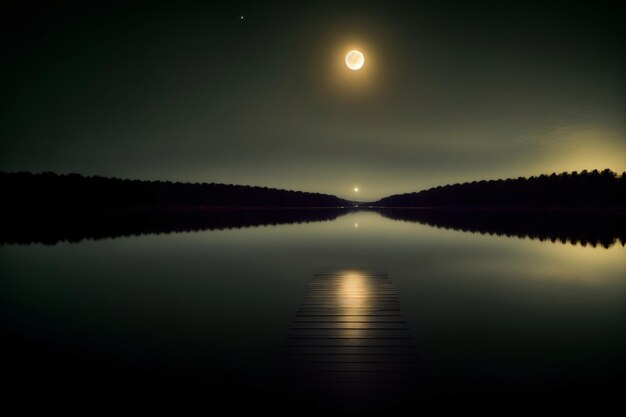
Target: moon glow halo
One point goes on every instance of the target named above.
(355, 60)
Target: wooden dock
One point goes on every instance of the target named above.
(350, 342)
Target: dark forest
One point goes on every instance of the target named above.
(592, 189)
(49, 190)
(584, 190)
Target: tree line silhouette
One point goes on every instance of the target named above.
(604, 189)
(594, 227)
(25, 190)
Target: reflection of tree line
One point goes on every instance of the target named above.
(584, 226)
(585, 189)
(587, 227)
(73, 226)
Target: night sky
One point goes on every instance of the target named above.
(449, 92)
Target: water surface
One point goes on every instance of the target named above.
(492, 316)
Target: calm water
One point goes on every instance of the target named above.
(492, 316)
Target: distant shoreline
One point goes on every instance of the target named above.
(585, 190)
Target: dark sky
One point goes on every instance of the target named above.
(449, 92)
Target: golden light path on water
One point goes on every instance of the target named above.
(353, 292)
(355, 295)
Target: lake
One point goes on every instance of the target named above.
(492, 316)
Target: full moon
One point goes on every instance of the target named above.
(355, 60)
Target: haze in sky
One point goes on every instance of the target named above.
(449, 92)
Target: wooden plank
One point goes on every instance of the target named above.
(349, 350)
(350, 358)
(319, 318)
(347, 396)
(350, 325)
(366, 273)
(384, 333)
(351, 302)
(354, 377)
(330, 316)
(358, 287)
(397, 367)
(352, 309)
(332, 295)
(348, 342)
(349, 313)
